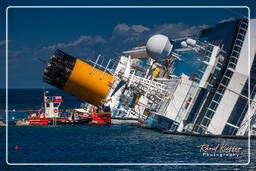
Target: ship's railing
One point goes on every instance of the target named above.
(99, 63)
(146, 83)
(152, 89)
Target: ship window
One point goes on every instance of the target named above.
(225, 81)
(213, 105)
(47, 105)
(241, 42)
(217, 97)
(213, 80)
(196, 129)
(229, 73)
(205, 122)
(221, 89)
(216, 72)
(233, 60)
(209, 113)
(232, 65)
(237, 48)
(240, 37)
(219, 65)
(200, 130)
(238, 42)
(209, 86)
(229, 130)
(55, 104)
(241, 31)
(243, 25)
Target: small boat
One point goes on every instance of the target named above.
(50, 114)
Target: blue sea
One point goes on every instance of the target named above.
(116, 143)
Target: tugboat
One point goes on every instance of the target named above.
(51, 115)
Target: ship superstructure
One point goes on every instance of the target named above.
(214, 100)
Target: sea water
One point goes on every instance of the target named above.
(117, 143)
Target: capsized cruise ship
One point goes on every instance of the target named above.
(196, 84)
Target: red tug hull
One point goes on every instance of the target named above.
(46, 121)
(101, 118)
(95, 118)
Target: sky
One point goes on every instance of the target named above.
(85, 32)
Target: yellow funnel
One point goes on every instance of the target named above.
(78, 78)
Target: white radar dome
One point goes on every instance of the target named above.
(158, 47)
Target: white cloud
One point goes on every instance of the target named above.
(139, 28)
(120, 28)
(124, 28)
(177, 30)
(81, 39)
(227, 19)
(58, 45)
(99, 39)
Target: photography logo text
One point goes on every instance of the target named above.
(219, 150)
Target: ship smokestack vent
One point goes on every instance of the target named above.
(58, 69)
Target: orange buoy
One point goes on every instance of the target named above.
(16, 147)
